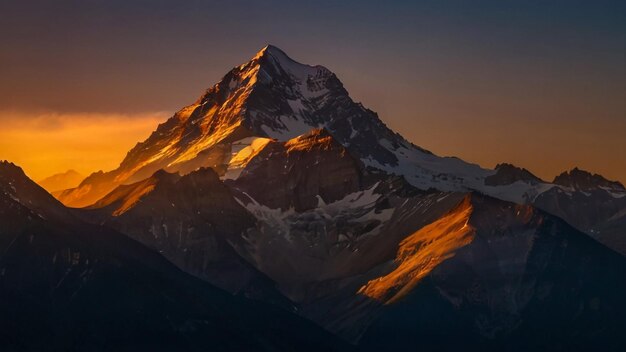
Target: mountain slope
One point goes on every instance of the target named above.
(66, 285)
(520, 280)
(354, 261)
(590, 203)
(191, 221)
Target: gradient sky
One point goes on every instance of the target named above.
(541, 84)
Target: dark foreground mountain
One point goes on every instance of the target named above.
(191, 220)
(69, 286)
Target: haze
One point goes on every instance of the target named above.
(541, 84)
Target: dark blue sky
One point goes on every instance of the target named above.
(538, 83)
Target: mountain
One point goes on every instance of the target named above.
(274, 98)
(585, 181)
(496, 277)
(191, 221)
(276, 185)
(494, 273)
(591, 203)
(61, 181)
(386, 265)
(68, 285)
(507, 174)
(301, 171)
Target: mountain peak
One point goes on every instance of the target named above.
(280, 57)
(584, 180)
(270, 49)
(61, 181)
(507, 174)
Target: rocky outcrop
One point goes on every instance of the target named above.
(507, 174)
(585, 181)
(301, 172)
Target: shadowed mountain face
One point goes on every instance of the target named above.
(191, 221)
(585, 181)
(592, 204)
(507, 174)
(66, 285)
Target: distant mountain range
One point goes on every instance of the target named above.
(61, 181)
(275, 186)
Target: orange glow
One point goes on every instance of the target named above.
(307, 142)
(47, 143)
(124, 197)
(421, 252)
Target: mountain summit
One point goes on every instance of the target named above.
(583, 180)
(274, 97)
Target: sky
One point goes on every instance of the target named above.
(541, 84)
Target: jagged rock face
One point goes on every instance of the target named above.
(590, 203)
(337, 240)
(190, 220)
(585, 181)
(66, 285)
(507, 174)
(299, 172)
(290, 99)
(382, 263)
(594, 211)
(522, 280)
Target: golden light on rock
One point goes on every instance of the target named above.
(421, 252)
